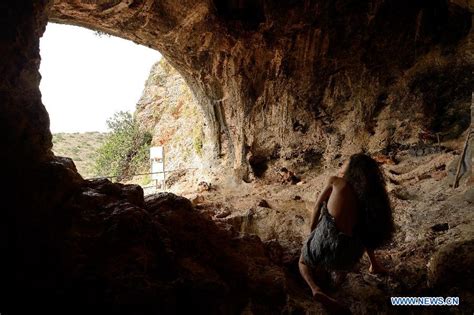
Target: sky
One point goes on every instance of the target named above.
(87, 78)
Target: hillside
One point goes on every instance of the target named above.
(81, 147)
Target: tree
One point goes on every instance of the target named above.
(126, 149)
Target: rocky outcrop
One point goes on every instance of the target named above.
(351, 74)
(33, 184)
(168, 110)
(449, 268)
(24, 121)
(125, 255)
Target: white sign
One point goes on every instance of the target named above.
(157, 158)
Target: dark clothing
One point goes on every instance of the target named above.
(330, 248)
(294, 179)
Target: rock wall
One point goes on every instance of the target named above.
(26, 143)
(169, 111)
(326, 74)
(24, 122)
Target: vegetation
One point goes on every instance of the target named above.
(126, 149)
(197, 139)
(81, 147)
(101, 34)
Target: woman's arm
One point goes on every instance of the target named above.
(323, 196)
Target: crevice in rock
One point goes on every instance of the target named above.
(258, 164)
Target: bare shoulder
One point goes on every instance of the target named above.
(337, 181)
(333, 180)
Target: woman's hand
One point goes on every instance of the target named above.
(323, 196)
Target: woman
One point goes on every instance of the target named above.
(352, 215)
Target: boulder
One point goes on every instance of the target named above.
(451, 266)
(469, 195)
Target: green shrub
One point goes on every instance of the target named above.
(197, 140)
(58, 137)
(126, 148)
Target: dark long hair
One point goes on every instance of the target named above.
(374, 219)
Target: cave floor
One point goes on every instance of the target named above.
(428, 214)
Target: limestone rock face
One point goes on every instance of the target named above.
(168, 110)
(337, 75)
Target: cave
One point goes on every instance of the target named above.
(356, 75)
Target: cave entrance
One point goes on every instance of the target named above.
(88, 77)
(110, 100)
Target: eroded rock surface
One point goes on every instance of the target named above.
(168, 110)
(429, 256)
(161, 257)
(332, 74)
